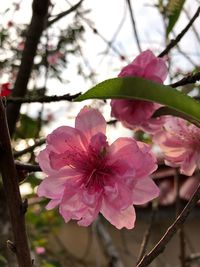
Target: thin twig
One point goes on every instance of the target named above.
(193, 257)
(109, 247)
(63, 14)
(178, 210)
(10, 183)
(196, 33)
(180, 35)
(95, 31)
(48, 99)
(147, 234)
(42, 99)
(27, 167)
(193, 78)
(29, 149)
(134, 26)
(171, 231)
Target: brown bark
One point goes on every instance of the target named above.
(34, 32)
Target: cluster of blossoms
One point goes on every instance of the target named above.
(87, 176)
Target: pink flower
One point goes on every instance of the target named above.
(136, 114)
(21, 46)
(53, 58)
(40, 250)
(5, 90)
(87, 176)
(180, 143)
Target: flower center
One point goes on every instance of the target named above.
(96, 172)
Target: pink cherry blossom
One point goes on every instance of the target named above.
(86, 175)
(53, 58)
(40, 250)
(136, 114)
(180, 143)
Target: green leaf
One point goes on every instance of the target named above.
(168, 111)
(138, 88)
(174, 9)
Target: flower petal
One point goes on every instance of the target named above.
(119, 218)
(136, 154)
(52, 204)
(66, 138)
(73, 207)
(44, 162)
(156, 70)
(54, 186)
(189, 164)
(90, 122)
(144, 191)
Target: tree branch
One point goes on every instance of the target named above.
(148, 232)
(14, 201)
(34, 32)
(29, 149)
(42, 99)
(180, 35)
(160, 246)
(187, 80)
(27, 167)
(63, 14)
(48, 99)
(110, 249)
(134, 26)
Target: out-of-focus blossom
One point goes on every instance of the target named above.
(4, 89)
(189, 187)
(53, 58)
(136, 114)
(21, 46)
(40, 250)
(180, 143)
(86, 175)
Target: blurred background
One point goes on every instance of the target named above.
(84, 43)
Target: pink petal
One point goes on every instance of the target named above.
(156, 70)
(131, 70)
(118, 195)
(66, 138)
(52, 204)
(73, 207)
(189, 164)
(144, 58)
(144, 191)
(97, 143)
(54, 186)
(90, 122)
(136, 154)
(119, 218)
(44, 162)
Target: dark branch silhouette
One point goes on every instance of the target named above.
(175, 41)
(34, 32)
(15, 204)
